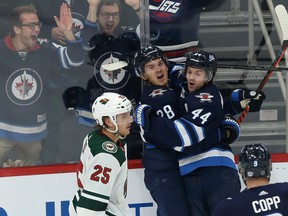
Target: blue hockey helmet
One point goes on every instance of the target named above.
(204, 60)
(145, 55)
(255, 161)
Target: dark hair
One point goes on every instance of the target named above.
(14, 18)
(107, 2)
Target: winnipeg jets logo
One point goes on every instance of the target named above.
(114, 79)
(157, 92)
(24, 87)
(165, 11)
(204, 97)
(167, 6)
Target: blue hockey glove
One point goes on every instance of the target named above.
(241, 98)
(231, 130)
(141, 115)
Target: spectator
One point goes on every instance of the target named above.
(112, 44)
(102, 169)
(79, 9)
(25, 70)
(174, 26)
(260, 197)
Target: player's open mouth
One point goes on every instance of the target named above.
(191, 84)
(160, 76)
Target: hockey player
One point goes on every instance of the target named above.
(162, 176)
(26, 66)
(102, 169)
(211, 158)
(260, 197)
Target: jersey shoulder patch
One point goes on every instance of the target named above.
(99, 143)
(109, 147)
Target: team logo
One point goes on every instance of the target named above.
(78, 23)
(157, 92)
(110, 147)
(24, 87)
(104, 101)
(111, 79)
(205, 97)
(164, 11)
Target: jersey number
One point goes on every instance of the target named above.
(167, 110)
(197, 114)
(101, 174)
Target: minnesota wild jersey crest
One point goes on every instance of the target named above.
(110, 147)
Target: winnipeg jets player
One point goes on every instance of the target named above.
(211, 158)
(259, 198)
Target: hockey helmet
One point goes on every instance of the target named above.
(145, 55)
(204, 60)
(255, 161)
(110, 104)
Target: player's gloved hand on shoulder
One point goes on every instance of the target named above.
(142, 114)
(241, 98)
(230, 130)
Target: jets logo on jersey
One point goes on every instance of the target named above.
(164, 11)
(111, 80)
(157, 92)
(110, 147)
(24, 87)
(204, 97)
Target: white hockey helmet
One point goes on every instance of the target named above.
(110, 104)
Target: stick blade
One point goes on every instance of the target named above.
(282, 15)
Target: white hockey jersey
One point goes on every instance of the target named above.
(101, 178)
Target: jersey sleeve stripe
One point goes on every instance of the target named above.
(184, 129)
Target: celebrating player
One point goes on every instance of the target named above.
(260, 197)
(162, 177)
(102, 169)
(204, 106)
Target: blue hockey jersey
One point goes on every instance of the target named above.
(174, 26)
(196, 134)
(24, 83)
(265, 200)
(165, 102)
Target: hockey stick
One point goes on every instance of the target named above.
(283, 21)
(245, 67)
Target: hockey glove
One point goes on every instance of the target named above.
(141, 115)
(231, 130)
(74, 97)
(241, 98)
